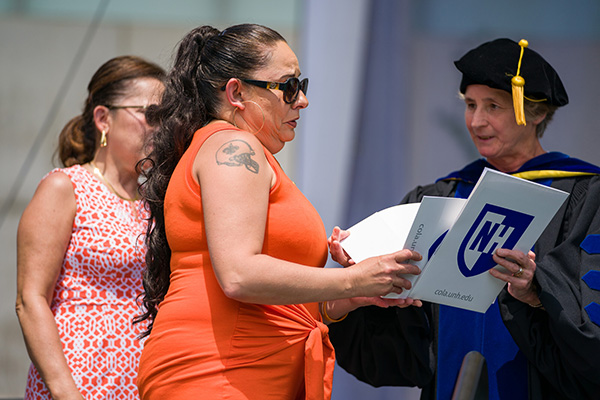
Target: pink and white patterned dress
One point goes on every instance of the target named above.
(95, 296)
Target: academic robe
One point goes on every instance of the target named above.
(556, 348)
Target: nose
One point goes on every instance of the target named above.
(478, 118)
(301, 101)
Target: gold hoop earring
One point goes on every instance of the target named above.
(103, 141)
(261, 111)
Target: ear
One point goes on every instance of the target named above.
(234, 93)
(539, 119)
(101, 118)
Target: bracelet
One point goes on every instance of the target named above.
(535, 289)
(327, 317)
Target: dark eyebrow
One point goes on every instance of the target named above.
(291, 75)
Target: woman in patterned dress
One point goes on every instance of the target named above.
(79, 252)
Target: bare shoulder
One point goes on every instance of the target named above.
(57, 184)
(57, 180)
(55, 192)
(233, 148)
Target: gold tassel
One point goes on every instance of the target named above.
(518, 88)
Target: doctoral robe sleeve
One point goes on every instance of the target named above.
(562, 340)
(386, 347)
(390, 347)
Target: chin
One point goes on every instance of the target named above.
(288, 134)
(486, 151)
(276, 149)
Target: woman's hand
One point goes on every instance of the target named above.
(341, 257)
(335, 248)
(338, 308)
(376, 277)
(384, 302)
(521, 270)
(381, 275)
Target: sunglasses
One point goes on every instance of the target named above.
(125, 107)
(290, 87)
(138, 110)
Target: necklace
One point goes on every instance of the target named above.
(107, 183)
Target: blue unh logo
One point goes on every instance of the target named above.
(495, 227)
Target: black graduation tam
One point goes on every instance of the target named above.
(495, 63)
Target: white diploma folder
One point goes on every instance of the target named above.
(457, 237)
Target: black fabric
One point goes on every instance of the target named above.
(561, 343)
(495, 63)
(382, 359)
(397, 347)
(393, 347)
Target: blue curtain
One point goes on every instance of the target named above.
(378, 163)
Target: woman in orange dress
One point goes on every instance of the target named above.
(234, 274)
(80, 251)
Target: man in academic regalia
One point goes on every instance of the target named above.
(541, 339)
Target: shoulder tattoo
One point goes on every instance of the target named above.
(236, 153)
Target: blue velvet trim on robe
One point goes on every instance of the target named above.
(591, 244)
(461, 331)
(592, 278)
(549, 161)
(593, 311)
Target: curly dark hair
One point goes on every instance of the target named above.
(206, 59)
(79, 139)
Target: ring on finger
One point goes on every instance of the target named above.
(518, 273)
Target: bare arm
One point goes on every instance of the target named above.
(338, 308)
(235, 201)
(42, 239)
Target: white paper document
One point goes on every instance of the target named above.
(457, 237)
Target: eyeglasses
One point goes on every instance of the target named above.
(290, 88)
(123, 107)
(141, 110)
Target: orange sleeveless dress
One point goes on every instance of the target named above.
(205, 345)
